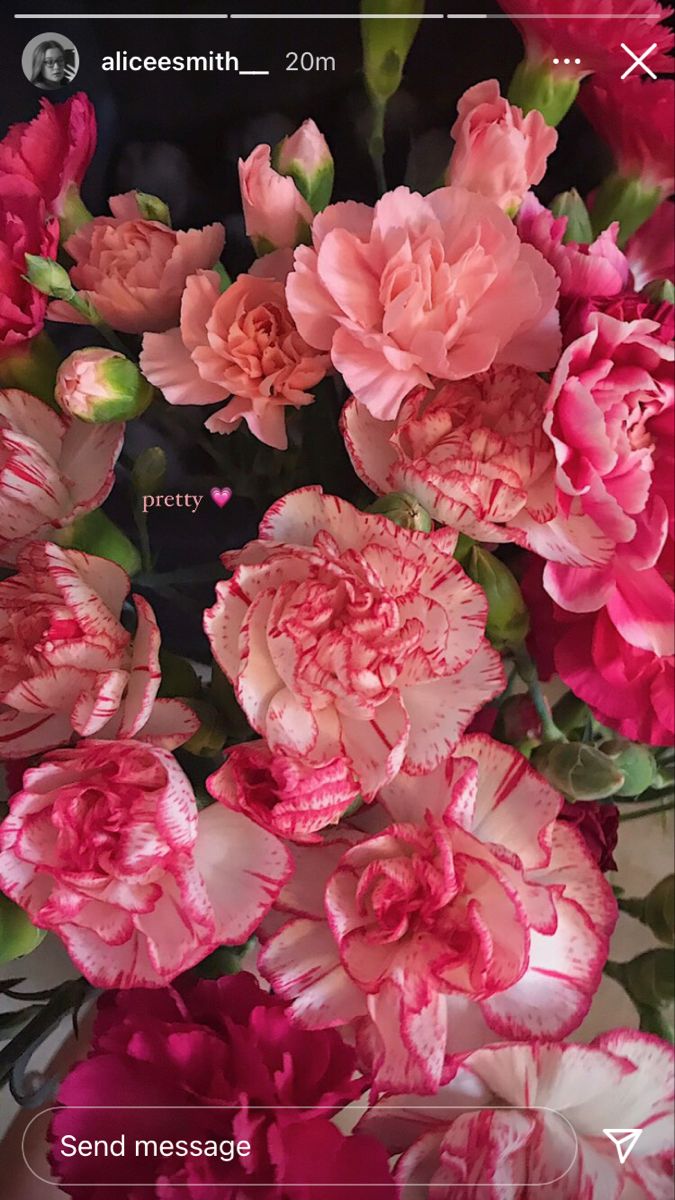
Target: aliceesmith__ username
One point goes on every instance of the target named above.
(215, 60)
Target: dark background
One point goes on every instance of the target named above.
(179, 136)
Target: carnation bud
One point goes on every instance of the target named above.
(534, 85)
(95, 533)
(508, 619)
(151, 208)
(659, 291)
(31, 367)
(636, 763)
(48, 277)
(211, 735)
(306, 158)
(570, 205)
(404, 510)
(101, 385)
(656, 909)
(577, 769)
(387, 42)
(570, 714)
(148, 471)
(18, 935)
(179, 677)
(624, 200)
(518, 721)
(648, 979)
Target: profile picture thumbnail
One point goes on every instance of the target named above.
(50, 61)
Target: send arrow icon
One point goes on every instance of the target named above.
(625, 1141)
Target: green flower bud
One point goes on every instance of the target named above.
(32, 367)
(225, 960)
(570, 205)
(656, 909)
(148, 471)
(535, 86)
(627, 201)
(648, 979)
(95, 533)
(508, 619)
(570, 714)
(306, 158)
(48, 277)
(387, 42)
(152, 208)
(580, 771)
(404, 510)
(101, 385)
(74, 213)
(659, 290)
(635, 761)
(18, 935)
(179, 677)
(211, 735)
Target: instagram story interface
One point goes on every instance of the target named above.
(337, 445)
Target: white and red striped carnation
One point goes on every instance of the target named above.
(348, 637)
(473, 452)
(68, 667)
(104, 846)
(531, 1115)
(53, 469)
(470, 912)
(281, 793)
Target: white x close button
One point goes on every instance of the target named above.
(638, 60)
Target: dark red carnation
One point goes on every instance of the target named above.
(598, 824)
(226, 1055)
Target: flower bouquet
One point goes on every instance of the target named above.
(434, 437)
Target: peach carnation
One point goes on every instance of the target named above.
(241, 343)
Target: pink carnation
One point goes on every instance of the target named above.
(241, 343)
(420, 287)
(529, 1114)
(132, 270)
(68, 665)
(220, 1044)
(498, 152)
(594, 36)
(348, 637)
(619, 657)
(104, 847)
(651, 249)
(597, 269)
(609, 387)
(275, 212)
(53, 150)
(281, 793)
(474, 453)
(475, 912)
(53, 469)
(636, 116)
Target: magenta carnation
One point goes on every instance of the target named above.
(216, 1044)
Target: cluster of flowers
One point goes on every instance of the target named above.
(426, 914)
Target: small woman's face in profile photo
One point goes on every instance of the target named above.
(49, 65)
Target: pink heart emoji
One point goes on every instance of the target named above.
(220, 496)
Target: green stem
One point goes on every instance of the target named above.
(528, 673)
(376, 142)
(141, 523)
(648, 812)
(86, 309)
